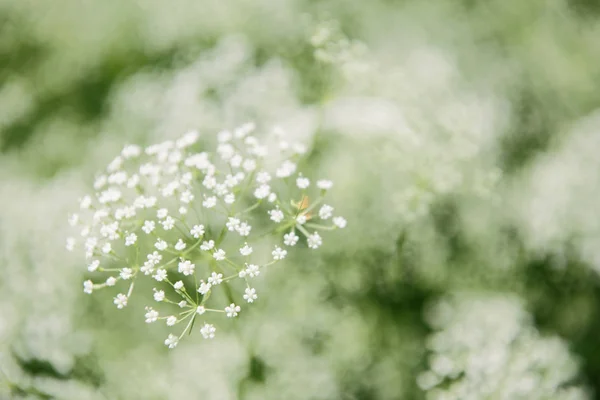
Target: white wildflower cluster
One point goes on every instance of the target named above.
(189, 219)
(486, 347)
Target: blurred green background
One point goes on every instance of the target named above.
(462, 137)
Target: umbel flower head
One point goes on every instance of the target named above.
(188, 219)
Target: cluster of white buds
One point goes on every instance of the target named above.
(189, 219)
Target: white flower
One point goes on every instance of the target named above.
(229, 198)
(215, 279)
(208, 331)
(301, 219)
(168, 223)
(324, 184)
(276, 215)
(252, 270)
(204, 287)
(148, 226)
(286, 169)
(272, 197)
(263, 177)
(111, 281)
(120, 301)
(162, 213)
(151, 315)
(250, 295)
(172, 320)
(131, 151)
(178, 285)
(340, 222)
(207, 245)
(249, 165)
(325, 211)
(232, 310)
(200, 310)
(210, 202)
(186, 267)
(161, 275)
(73, 219)
(219, 254)
(244, 229)
(107, 248)
(186, 197)
(197, 231)
(302, 182)
(93, 265)
(147, 268)
(126, 273)
(154, 258)
(130, 239)
(171, 341)
(182, 304)
(262, 191)
(183, 210)
(232, 224)
(246, 250)
(290, 239)
(159, 295)
(85, 202)
(279, 253)
(209, 182)
(88, 287)
(180, 245)
(161, 245)
(314, 240)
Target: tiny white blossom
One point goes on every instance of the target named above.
(302, 182)
(182, 304)
(286, 169)
(126, 273)
(88, 287)
(159, 295)
(147, 268)
(151, 315)
(162, 213)
(111, 281)
(161, 275)
(85, 202)
(180, 245)
(276, 215)
(73, 219)
(250, 295)
(263, 177)
(186, 267)
(131, 151)
(120, 301)
(219, 254)
(168, 223)
(172, 320)
(262, 191)
(314, 240)
(107, 248)
(324, 184)
(232, 224)
(246, 250)
(207, 245)
(279, 253)
(229, 198)
(290, 239)
(208, 331)
(93, 265)
(171, 341)
(200, 310)
(204, 287)
(244, 229)
(161, 245)
(183, 210)
(272, 197)
(215, 279)
(186, 197)
(301, 219)
(210, 202)
(148, 226)
(249, 165)
(232, 310)
(340, 222)
(197, 231)
(252, 270)
(130, 239)
(325, 212)
(154, 258)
